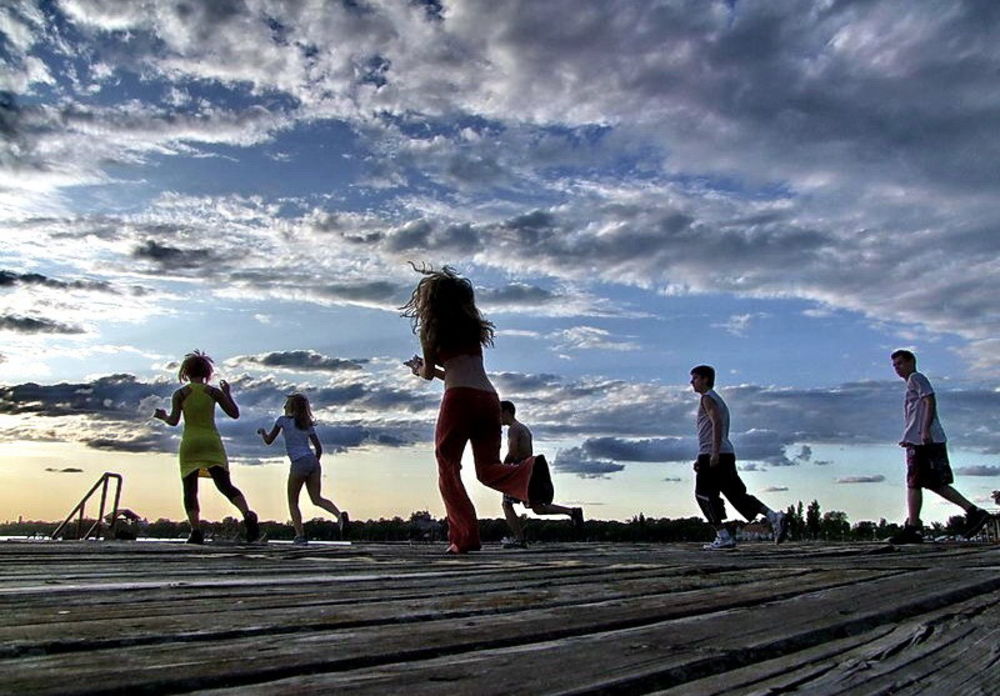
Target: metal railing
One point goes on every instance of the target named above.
(99, 524)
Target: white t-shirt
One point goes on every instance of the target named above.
(296, 441)
(914, 408)
(704, 424)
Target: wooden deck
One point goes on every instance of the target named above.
(164, 618)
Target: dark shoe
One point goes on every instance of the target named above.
(540, 488)
(577, 519)
(253, 529)
(345, 520)
(513, 543)
(974, 522)
(196, 537)
(907, 535)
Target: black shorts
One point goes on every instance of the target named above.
(927, 466)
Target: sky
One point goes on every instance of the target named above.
(786, 190)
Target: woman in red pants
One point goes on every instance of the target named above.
(452, 335)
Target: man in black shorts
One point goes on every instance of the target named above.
(927, 463)
(519, 447)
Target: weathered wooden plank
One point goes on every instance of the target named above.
(940, 652)
(124, 625)
(677, 637)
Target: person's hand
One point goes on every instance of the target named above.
(926, 438)
(160, 413)
(713, 461)
(996, 497)
(224, 386)
(261, 432)
(416, 364)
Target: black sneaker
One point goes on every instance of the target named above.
(577, 518)
(907, 535)
(975, 520)
(345, 520)
(253, 529)
(196, 537)
(540, 488)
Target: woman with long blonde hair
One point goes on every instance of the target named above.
(298, 427)
(452, 334)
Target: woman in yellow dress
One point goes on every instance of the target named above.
(201, 452)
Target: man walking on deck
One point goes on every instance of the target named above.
(927, 463)
(715, 469)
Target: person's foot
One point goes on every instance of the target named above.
(907, 535)
(300, 541)
(975, 520)
(453, 550)
(196, 537)
(513, 543)
(577, 518)
(721, 542)
(253, 529)
(540, 488)
(344, 520)
(779, 525)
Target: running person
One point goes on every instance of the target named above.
(298, 429)
(201, 452)
(519, 448)
(452, 333)
(927, 463)
(716, 467)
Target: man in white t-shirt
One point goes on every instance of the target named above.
(715, 467)
(927, 463)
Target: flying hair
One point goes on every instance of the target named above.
(442, 310)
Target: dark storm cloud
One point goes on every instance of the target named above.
(374, 292)
(32, 325)
(878, 478)
(301, 360)
(172, 258)
(10, 279)
(66, 470)
(516, 294)
(673, 449)
(982, 470)
(103, 396)
(147, 442)
(575, 461)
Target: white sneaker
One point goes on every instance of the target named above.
(721, 542)
(779, 525)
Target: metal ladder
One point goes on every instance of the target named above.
(99, 525)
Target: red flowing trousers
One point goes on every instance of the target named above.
(472, 415)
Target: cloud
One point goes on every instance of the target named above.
(674, 449)
(739, 324)
(66, 470)
(590, 338)
(877, 478)
(299, 360)
(575, 461)
(776, 489)
(673, 479)
(32, 325)
(982, 470)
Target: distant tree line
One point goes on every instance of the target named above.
(805, 523)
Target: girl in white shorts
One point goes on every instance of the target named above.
(298, 428)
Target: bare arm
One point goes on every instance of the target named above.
(225, 399)
(269, 436)
(712, 411)
(426, 366)
(930, 410)
(175, 408)
(313, 438)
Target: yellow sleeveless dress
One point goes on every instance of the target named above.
(201, 445)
